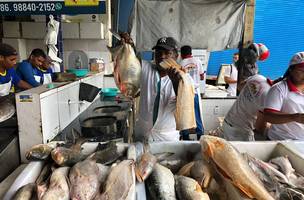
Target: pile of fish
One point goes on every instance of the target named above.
(7, 109)
(278, 177)
(105, 174)
(192, 177)
(166, 178)
(110, 173)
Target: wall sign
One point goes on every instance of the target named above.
(55, 7)
(81, 2)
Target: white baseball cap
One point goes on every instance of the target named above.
(262, 51)
(297, 58)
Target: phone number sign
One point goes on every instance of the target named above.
(10, 7)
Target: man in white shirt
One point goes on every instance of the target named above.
(194, 67)
(284, 105)
(230, 77)
(158, 91)
(245, 117)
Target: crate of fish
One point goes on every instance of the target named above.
(217, 169)
(78, 171)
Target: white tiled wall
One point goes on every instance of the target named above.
(93, 48)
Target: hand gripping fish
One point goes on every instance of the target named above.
(127, 69)
(231, 164)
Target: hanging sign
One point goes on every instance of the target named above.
(55, 7)
(81, 2)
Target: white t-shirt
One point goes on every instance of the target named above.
(285, 98)
(164, 128)
(194, 67)
(243, 112)
(231, 72)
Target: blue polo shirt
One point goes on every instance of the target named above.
(27, 72)
(9, 74)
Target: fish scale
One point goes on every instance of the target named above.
(127, 69)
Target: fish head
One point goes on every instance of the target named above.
(115, 51)
(39, 152)
(41, 189)
(211, 144)
(60, 155)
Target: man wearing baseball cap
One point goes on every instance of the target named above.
(8, 76)
(158, 93)
(284, 105)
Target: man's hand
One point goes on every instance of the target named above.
(125, 38)
(175, 77)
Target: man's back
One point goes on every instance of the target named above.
(251, 99)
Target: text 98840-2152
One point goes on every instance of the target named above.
(30, 7)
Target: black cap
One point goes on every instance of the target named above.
(167, 43)
(186, 50)
(7, 50)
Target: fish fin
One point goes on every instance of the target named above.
(79, 142)
(146, 147)
(208, 152)
(198, 188)
(115, 50)
(105, 145)
(243, 190)
(115, 34)
(163, 156)
(68, 181)
(186, 169)
(139, 176)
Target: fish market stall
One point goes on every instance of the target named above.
(176, 155)
(43, 112)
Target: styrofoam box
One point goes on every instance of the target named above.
(264, 150)
(33, 169)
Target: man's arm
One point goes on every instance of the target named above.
(227, 76)
(261, 123)
(24, 85)
(229, 80)
(277, 117)
(27, 72)
(17, 80)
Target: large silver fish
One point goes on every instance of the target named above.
(120, 183)
(189, 189)
(84, 179)
(7, 109)
(127, 69)
(59, 188)
(160, 184)
(40, 151)
(26, 192)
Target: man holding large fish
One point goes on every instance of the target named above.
(158, 89)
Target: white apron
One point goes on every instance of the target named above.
(46, 78)
(5, 88)
(37, 78)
